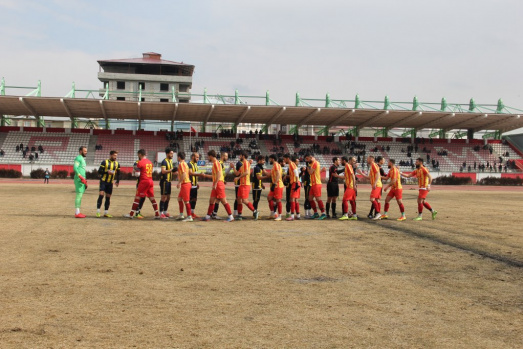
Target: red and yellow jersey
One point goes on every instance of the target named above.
(246, 168)
(276, 167)
(394, 174)
(146, 169)
(183, 168)
(349, 173)
(217, 172)
(423, 176)
(292, 176)
(375, 173)
(315, 176)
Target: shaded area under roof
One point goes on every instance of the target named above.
(260, 114)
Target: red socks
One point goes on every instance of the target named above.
(387, 205)
(376, 206)
(271, 206)
(188, 208)
(420, 208)
(321, 206)
(240, 208)
(280, 209)
(228, 208)
(402, 208)
(250, 206)
(180, 205)
(353, 206)
(345, 207)
(155, 207)
(293, 207)
(210, 209)
(313, 205)
(427, 206)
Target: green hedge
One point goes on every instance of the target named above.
(452, 180)
(5, 173)
(501, 181)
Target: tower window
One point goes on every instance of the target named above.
(164, 87)
(120, 85)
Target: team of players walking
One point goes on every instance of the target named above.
(285, 174)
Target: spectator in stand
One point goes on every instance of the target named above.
(36, 156)
(2, 152)
(21, 146)
(40, 149)
(31, 157)
(500, 167)
(17, 148)
(33, 149)
(470, 170)
(24, 153)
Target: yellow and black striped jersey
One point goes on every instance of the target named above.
(193, 167)
(168, 165)
(109, 166)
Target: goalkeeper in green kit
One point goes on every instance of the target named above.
(80, 183)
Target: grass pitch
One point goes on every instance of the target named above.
(116, 283)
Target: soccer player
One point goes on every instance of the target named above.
(306, 184)
(350, 189)
(184, 184)
(256, 180)
(314, 170)
(145, 186)
(109, 172)
(218, 188)
(243, 178)
(396, 190)
(333, 187)
(294, 185)
(235, 169)
(276, 192)
(223, 158)
(380, 161)
(375, 181)
(80, 182)
(194, 175)
(166, 177)
(424, 181)
(136, 173)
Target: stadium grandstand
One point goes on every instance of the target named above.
(459, 139)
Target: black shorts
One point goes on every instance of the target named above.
(256, 194)
(165, 188)
(333, 189)
(106, 187)
(194, 193)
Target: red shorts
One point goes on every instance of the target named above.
(376, 193)
(185, 192)
(423, 193)
(277, 193)
(295, 193)
(349, 195)
(315, 190)
(395, 193)
(219, 192)
(145, 189)
(243, 191)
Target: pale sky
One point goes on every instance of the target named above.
(431, 49)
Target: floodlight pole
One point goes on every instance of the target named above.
(5, 120)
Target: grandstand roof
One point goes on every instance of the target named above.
(260, 114)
